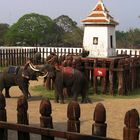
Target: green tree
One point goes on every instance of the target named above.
(3, 29)
(33, 29)
(128, 39)
(72, 34)
(121, 39)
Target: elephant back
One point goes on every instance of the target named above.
(13, 69)
(68, 70)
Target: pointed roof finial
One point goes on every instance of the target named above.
(100, 1)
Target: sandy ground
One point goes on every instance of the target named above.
(115, 108)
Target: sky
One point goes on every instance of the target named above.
(126, 12)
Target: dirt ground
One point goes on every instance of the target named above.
(115, 108)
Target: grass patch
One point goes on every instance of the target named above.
(50, 94)
(43, 91)
(1, 69)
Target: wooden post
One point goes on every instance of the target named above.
(131, 129)
(99, 127)
(0, 58)
(104, 80)
(22, 117)
(73, 114)
(120, 77)
(46, 118)
(95, 86)
(3, 117)
(132, 70)
(127, 76)
(111, 78)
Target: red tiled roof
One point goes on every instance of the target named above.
(98, 8)
(95, 20)
(99, 15)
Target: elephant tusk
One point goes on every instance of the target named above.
(32, 67)
(45, 75)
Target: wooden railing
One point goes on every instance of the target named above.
(46, 130)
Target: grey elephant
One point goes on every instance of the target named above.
(67, 77)
(18, 76)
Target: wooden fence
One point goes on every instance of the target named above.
(122, 75)
(15, 56)
(19, 55)
(129, 52)
(46, 130)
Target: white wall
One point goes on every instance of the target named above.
(103, 33)
(99, 50)
(111, 51)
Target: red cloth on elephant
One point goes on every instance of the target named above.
(68, 70)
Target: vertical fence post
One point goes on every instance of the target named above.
(121, 77)
(133, 73)
(104, 80)
(1, 58)
(111, 78)
(131, 129)
(3, 117)
(22, 117)
(99, 128)
(46, 119)
(73, 114)
(95, 85)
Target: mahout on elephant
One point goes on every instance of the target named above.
(67, 77)
(18, 76)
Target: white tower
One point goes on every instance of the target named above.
(99, 32)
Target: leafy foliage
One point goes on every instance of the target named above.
(3, 29)
(128, 39)
(39, 30)
(33, 29)
(72, 34)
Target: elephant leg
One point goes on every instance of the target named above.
(83, 98)
(75, 96)
(56, 97)
(7, 95)
(84, 93)
(62, 98)
(59, 94)
(25, 90)
(29, 95)
(76, 90)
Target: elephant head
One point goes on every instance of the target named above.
(48, 70)
(30, 72)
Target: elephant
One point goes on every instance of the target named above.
(67, 77)
(37, 58)
(18, 76)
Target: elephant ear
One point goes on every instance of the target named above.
(29, 71)
(24, 72)
(25, 75)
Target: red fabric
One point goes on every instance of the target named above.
(100, 72)
(68, 70)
